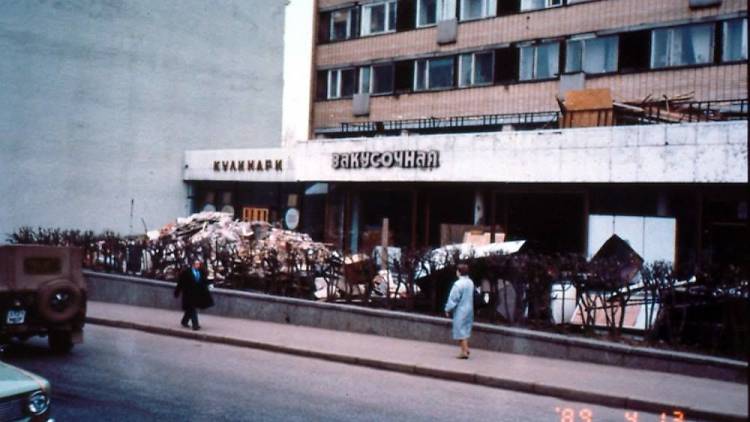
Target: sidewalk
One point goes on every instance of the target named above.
(642, 390)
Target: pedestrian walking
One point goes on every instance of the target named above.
(193, 285)
(461, 305)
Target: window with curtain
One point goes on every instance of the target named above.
(376, 79)
(539, 61)
(341, 83)
(538, 4)
(433, 74)
(734, 41)
(429, 12)
(378, 18)
(477, 9)
(682, 46)
(592, 55)
(475, 69)
(340, 26)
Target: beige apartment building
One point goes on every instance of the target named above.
(448, 116)
(421, 59)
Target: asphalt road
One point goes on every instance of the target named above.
(125, 375)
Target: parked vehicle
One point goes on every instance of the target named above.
(42, 292)
(23, 395)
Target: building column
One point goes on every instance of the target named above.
(479, 208)
(586, 212)
(699, 227)
(493, 216)
(427, 219)
(354, 204)
(414, 198)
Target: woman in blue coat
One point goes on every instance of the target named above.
(461, 304)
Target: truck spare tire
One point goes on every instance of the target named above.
(58, 301)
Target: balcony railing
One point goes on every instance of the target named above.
(647, 112)
(457, 124)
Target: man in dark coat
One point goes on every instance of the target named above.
(193, 284)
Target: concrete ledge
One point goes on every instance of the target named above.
(237, 304)
(488, 381)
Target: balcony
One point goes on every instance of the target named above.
(649, 111)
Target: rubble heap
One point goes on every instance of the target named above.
(230, 245)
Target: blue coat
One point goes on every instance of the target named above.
(461, 303)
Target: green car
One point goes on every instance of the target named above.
(23, 395)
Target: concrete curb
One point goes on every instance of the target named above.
(487, 381)
(135, 291)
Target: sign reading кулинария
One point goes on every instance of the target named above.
(408, 159)
(249, 165)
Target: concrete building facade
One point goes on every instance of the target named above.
(393, 71)
(100, 100)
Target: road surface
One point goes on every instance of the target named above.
(126, 375)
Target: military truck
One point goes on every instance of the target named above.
(42, 293)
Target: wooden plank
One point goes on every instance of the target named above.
(588, 99)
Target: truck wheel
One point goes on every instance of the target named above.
(59, 301)
(60, 341)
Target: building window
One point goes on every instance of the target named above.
(433, 74)
(378, 18)
(475, 69)
(539, 61)
(682, 46)
(429, 12)
(341, 25)
(539, 4)
(477, 9)
(734, 46)
(376, 79)
(340, 83)
(591, 55)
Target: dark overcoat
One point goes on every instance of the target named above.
(195, 293)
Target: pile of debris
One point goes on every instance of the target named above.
(596, 107)
(681, 108)
(229, 245)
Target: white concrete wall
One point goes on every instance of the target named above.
(686, 153)
(199, 165)
(100, 99)
(298, 53)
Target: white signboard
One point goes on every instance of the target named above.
(291, 219)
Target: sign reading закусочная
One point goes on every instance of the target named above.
(408, 159)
